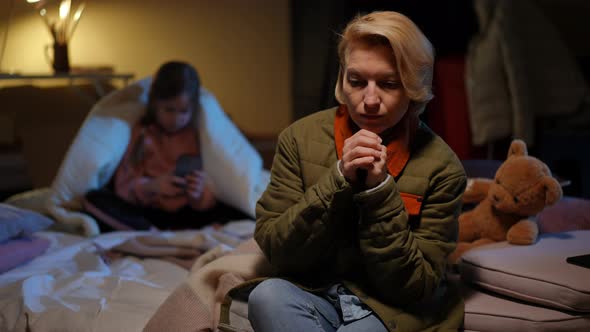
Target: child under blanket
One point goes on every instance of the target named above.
(151, 187)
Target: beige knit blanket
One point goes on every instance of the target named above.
(195, 304)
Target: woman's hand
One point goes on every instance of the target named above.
(167, 185)
(199, 195)
(364, 151)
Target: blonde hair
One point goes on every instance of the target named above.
(413, 53)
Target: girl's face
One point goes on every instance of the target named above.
(372, 89)
(175, 113)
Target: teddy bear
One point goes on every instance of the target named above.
(522, 187)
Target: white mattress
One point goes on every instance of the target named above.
(70, 287)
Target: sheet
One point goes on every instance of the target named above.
(72, 288)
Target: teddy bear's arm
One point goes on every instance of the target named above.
(468, 230)
(523, 232)
(476, 190)
(462, 247)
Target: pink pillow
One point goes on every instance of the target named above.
(569, 214)
(17, 251)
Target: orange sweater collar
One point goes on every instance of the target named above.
(397, 139)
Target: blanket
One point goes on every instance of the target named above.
(196, 304)
(76, 286)
(180, 248)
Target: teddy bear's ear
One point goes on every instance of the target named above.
(552, 190)
(517, 148)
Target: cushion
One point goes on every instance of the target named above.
(16, 221)
(486, 311)
(233, 165)
(537, 273)
(20, 250)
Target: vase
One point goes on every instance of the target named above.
(59, 61)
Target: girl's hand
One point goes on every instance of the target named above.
(195, 184)
(168, 185)
(200, 196)
(364, 151)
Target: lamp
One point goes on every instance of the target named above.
(61, 30)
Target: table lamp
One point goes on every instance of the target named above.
(61, 30)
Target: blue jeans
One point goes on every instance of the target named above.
(278, 305)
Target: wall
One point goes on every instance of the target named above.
(241, 48)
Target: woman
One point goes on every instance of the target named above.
(361, 211)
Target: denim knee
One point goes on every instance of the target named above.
(268, 298)
(279, 305)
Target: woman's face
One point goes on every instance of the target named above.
(372, 89)
(175, 113)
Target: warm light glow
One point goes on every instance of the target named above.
(33, 1)
(64, 9)
(43, 11)
(79, 12)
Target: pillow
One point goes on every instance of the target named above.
(94, 155)
(486, 311)
(230, 161)
(15, 221)
(233, 165)
(537, 273)
(20, 250)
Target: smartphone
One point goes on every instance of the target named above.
(186, 164)
(582, 260)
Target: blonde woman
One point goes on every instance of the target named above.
(361, 211)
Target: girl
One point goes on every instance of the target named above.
(166, 131)
(151, 187)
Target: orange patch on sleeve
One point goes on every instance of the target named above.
(412, 202)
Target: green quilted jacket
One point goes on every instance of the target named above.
(388, 246)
